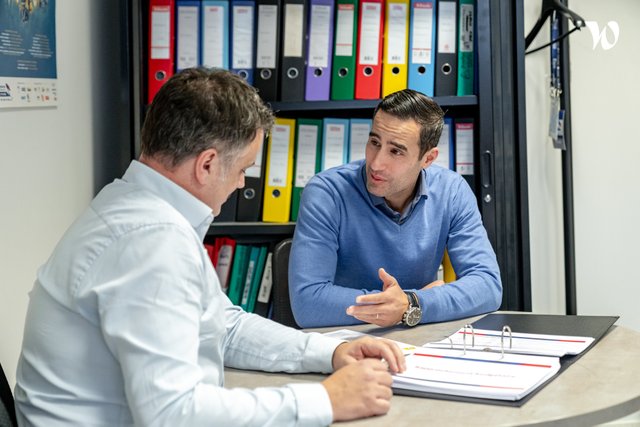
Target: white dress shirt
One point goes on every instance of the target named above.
(127, 325)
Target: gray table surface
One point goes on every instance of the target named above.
(603, 385)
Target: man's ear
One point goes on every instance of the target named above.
(429, 157)
(207, 163)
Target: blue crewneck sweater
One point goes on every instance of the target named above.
(344, 235)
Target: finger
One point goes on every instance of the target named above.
(365, 310)
(387, 279)
(381, 406)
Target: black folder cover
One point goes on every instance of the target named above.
(228, 209)
(292, 68)
(552, 324)
(266, 79)
(446, 77)
(250, 197)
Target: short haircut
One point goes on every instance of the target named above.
(199, 109)
(410, 104)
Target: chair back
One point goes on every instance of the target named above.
(281, 303)
(7, 405)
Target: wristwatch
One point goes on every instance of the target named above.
(413, 315)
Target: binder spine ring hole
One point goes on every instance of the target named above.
(276, 193)
(342, 72)
(244, 74)
(160, 75)
(292, 73)
(265, 73)
(317, 72)
(395, 70)
(422, 69)
(249, 193)
(368, 71)
(446, 69)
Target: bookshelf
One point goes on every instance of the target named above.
(498, 109)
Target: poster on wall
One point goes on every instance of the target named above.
(28, 73)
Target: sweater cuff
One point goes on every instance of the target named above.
(313, 404)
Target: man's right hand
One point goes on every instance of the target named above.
(359, 390)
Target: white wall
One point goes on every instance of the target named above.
(47, 170)
(604, 99)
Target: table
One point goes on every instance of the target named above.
(603, 385)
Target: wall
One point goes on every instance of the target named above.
(605, 149)
(47, 170)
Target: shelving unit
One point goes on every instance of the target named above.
(500, 143)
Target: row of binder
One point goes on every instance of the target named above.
(244, 272)
(317, 50)
(298, 149)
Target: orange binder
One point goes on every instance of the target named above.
(161, 45)
(369, 56)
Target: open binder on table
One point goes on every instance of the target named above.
(594, 327)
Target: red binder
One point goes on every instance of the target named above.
(369, 56)
(161, 45)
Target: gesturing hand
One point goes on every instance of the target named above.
(385, 308)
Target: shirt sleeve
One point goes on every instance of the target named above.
(315, 299)
(150, 319)
(478, 287)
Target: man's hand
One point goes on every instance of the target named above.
(368, 347)
(385, 308)
(358, 390)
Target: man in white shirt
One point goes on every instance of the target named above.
(127, 323)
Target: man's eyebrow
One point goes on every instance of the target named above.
(399, 146)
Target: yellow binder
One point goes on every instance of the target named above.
(279, 172)
(449, 274)
(396, 43)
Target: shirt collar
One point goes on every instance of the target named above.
(380, 203)
(194, 210)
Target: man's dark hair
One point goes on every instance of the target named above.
(198, 109)
(410, 104)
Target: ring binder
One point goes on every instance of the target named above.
(505, 328)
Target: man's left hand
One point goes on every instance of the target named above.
(369, 347)
(385, 308)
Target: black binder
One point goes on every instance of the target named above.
(265, 79)
(250, 197)
(585, 326)
(446, 71)
(292, 66)
(228, 210)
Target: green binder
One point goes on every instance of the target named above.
(308, 154)
(257, 278)
(466, 36)
(343, 74)
(238, 273)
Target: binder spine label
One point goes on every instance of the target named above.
(160, 32)
(344, 30)
(466, 28)
(319, 37)
(334, 145)
(464, 148)
(421, 40)
(397, 49)
(267, 36)
(213, 44)
(306, 156)
(242, 37)
(279, 156)
(447, 28)
(187, 37)
(369, 46)
(293, 30)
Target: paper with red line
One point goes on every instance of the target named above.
(475, 373)
(522, 343)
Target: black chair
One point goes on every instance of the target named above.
(281, 304)
(7, 405)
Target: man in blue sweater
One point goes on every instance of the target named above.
(371, 234)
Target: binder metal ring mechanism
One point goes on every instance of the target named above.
(506, 329)
(292, 73)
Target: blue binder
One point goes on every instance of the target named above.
(422, 46)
